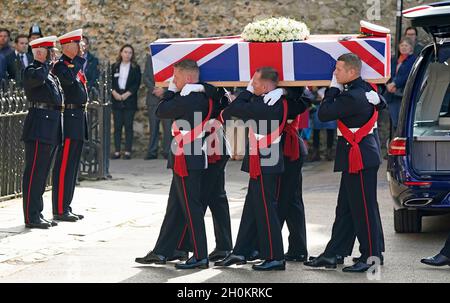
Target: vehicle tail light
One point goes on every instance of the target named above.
(397, 147)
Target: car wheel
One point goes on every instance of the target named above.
(407, 221)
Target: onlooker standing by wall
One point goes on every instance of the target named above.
(126, 79)
(154, 95)
(90, 67)
(400, 72)
(5, 48)
(18, 59)
(412, 33)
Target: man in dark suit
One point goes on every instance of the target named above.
(90, 66)
(355, 105)
(42, 130)
(264, 162)
(19, 59)
(154, 95)
(68, 69)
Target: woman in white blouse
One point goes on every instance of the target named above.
(126, 79)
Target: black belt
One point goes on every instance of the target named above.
(43, 105)
(75, 106)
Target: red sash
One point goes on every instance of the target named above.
(355, 163)
(180, 166)
(255, 145)
(291, 147)
(213, 139)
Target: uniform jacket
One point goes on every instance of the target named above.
(354, 110)
(42, 87)
(75, 120)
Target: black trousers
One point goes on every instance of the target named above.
(214, 196)
(446, 250)
(154, 123)
(290, 206)
(357, 213)
(65, 173)
(123, 118)
(260, 215)
(331, 134)
(184, 206)
(38, 159)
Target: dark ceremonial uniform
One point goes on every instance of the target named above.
(265, 164)
(213, 180)
(358, 158)
(188, 161)
(68, 156)
(42, 132)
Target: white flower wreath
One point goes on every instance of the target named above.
(275, 30)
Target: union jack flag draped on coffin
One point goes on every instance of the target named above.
(231, 59)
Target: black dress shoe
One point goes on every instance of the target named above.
(339, 259)
(40, 224)
(438, 260)
(150, 157)
(357, 267)
(217, 255)
(68, 217)
(152, 258)
(52, 222)
(295, 258)
(357, 259)
(80, 217)
(322, 261)
(178, 255)
(254, 255)
(270, 265)
(127, 157)
(231, 259)
(115, 156)
(193, 263)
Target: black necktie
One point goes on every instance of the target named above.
(22, 60)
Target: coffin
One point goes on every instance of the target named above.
(231, 61)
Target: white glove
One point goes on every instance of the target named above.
(334, 83)
(373, 97)
(172, 87)
(192, 88)
(250, 86)
(273, 96)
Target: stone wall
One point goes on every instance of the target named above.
(110, 24)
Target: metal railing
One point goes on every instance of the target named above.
(13, 110)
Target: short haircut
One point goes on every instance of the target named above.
(269, 73)
(20, 37)
(187, 65)
(5, 30)
(351, 61)
(411, 28)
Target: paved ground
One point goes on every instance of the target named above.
(123, 217)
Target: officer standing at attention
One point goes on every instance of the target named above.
(352, 102)
(68, 69)
(42, 130)
(264, 162)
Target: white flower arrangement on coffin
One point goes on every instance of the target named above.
(275, 30)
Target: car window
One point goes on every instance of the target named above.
(432, 116)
